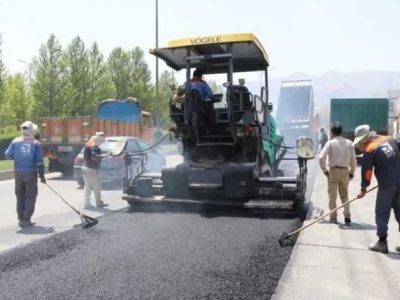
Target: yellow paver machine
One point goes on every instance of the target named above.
(231, 146)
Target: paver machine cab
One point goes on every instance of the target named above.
(231, 146)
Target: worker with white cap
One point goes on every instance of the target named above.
(90, 169)
(381, 155)
(27, 154)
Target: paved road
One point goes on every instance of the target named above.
(154, 255)
(151, 256)
(51, 214)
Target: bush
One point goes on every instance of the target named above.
(4, 142)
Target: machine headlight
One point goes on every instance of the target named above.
(305, 147)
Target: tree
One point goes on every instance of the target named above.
(140, 78)
(216, 88)
(100, 84)
(48, 79)
(118, 62)
(130, 75)
(167, 80)
(18, 100)
(75, 66)
(4, 108)
(3, 73)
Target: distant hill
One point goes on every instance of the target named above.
(339, 85)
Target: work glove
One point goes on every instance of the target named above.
(42, 179)
(361, 194)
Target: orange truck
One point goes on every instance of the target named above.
(64, 137)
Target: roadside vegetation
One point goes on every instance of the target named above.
(70, 80)
(8, 165)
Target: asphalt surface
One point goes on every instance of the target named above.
(153, 255)
(175, 255)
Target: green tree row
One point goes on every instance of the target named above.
(71, 81)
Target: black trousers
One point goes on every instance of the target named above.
(26, 190)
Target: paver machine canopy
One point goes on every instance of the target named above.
(231, 151)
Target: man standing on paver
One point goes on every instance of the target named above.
(342, 164)
(27, 154)
(381, 154)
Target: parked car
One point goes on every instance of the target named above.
(112, 168)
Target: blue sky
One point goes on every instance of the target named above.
(312, 36)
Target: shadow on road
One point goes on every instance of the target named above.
(36, 230)
(357, 226)
(60, 177)
(352, 226)
(392, 255)
(210, 211)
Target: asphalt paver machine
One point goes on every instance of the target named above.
(231, 145)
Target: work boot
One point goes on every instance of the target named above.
(380, 246)
(88, 206)
(29, 223)
(101, 204)
(25, 223)
(22, 224)
(333, 219)
(347, 221)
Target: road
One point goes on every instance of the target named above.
(147, 255)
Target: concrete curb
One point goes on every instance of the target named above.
(6, 175)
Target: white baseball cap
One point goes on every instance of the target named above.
(29, 125)
(28, 128)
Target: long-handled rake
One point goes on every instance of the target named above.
(285, 240)
(87, 221)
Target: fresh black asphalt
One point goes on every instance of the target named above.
(153, 255)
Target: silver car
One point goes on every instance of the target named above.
(113, 168)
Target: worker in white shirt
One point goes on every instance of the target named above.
(342, 164)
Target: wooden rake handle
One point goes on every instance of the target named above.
(328, 213)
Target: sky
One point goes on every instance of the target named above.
(310, 36)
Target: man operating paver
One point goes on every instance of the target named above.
(27, 154)
(381, 155)
(342, 164)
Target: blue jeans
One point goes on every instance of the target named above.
(385, 200)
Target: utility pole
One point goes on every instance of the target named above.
(158, 117)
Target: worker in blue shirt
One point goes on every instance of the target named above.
(27, 154)
(381, 157)
(197, 83)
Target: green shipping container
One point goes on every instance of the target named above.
(352, 112)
